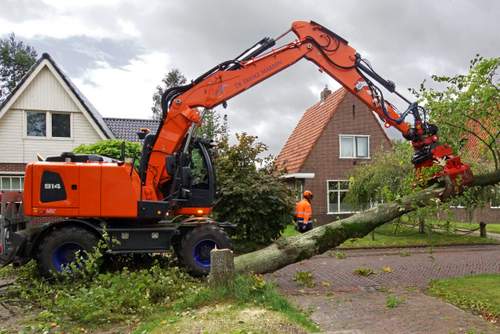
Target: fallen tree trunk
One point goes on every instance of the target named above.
(286, 251)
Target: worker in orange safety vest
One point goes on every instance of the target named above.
(303, 213)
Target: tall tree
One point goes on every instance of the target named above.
(16, 58)
(172, 79)
(213, 126)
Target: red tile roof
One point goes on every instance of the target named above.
(474, 149)
(307, 132)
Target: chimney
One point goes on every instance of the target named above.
(324, 93)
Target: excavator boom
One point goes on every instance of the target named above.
(332, 54)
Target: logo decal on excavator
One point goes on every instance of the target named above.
(360, 85)
(263, 73)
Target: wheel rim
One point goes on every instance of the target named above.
(65, 254)
(201, 252)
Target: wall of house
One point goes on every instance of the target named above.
(486, 215)
(351, 117)
(45, 93)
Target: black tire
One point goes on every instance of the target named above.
(59, 247)
(196, 246)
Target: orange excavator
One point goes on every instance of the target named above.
(71, 201)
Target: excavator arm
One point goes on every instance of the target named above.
(332, 54)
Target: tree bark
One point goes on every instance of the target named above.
(286, 251)
(221, 268)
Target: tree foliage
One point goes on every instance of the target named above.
(252, 196)
(386, 178)
(111, 148)
(173, 78)
(466, 107)
(16, 59)
(214, 126)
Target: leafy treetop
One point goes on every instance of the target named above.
(173, 78)
(16, 59)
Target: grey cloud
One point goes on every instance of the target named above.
(77, 54)
(17, 10)
(406, 41)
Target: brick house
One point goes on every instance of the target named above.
(334, 135)
(45, 115)
(473, 151)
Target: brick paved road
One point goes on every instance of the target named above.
(410, 267)
(342, 302)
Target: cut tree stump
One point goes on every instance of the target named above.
(221, 267)
(286, 251)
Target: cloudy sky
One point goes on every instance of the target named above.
(117, 51)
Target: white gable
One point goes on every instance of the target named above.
(45, 93)
(44, 90)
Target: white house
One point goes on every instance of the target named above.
(46, 115)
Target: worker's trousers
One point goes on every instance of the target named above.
(301, 227)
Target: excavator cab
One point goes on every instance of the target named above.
(193, 183)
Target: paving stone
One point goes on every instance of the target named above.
(352, 304)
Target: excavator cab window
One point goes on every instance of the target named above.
(199, 170)
(202, 176)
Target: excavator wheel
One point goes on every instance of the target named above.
(59, 248)
(197, 244)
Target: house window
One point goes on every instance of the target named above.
(298, 189)
(48, 124)
(354, 146)
(11, 183)
(337, 191)
(36, 124)
(61, 125)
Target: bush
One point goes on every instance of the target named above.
(253, 198)
(111, 148)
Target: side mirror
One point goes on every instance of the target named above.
(171, 163)
(185, 193)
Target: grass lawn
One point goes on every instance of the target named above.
(387, 236)
(289, 231)
(493, 228)
(479, 293)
